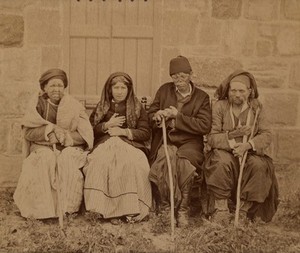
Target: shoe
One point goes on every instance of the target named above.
(221, 217)
(116, 221)
(243, 219)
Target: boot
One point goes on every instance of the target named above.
(183, 211)
(221, 215)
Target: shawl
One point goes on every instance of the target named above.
(71, 116)
(133, 105)
(222, 91)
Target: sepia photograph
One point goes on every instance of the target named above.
(150, 126)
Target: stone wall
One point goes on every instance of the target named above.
(218, 36)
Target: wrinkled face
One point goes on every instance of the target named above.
(238, 93)
(181, 81)
(119, 91)
(55, 90)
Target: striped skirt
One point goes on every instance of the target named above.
(36, 194)
(116, 182)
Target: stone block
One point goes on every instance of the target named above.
(15, 138)
(226, 9)
(180, 28)
(239, 38)
(209, 33)
(11, 30)
(43, 27)
(288, 40)
(294, 78)
(288, 145)
(51, 58)
(268, 30)
(268, 73)
(14, 102)
(21, 65)
(10, 169)
(210, 72)
(201, 6)
(290, 9)
(264, 48)
(263, 10)
(4, 133)
(280, 108)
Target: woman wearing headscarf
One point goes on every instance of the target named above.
(57, 133)
(116, 183)
(233, 117)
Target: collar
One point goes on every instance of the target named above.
(185, 94)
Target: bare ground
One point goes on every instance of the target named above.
(88, 233)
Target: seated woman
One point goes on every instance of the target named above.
(116, 183)
(57, 131)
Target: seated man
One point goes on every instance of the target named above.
(188, 117)
(233, 120)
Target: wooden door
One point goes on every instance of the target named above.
(104, 36)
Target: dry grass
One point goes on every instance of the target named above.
(89, 233)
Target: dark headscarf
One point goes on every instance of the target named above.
(53, 73)
(133, 106)
(222, 91)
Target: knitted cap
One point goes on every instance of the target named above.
(241, 79)
(180, 64)
(53, 73)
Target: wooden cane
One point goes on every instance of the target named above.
(170, 176)
(58, 189)
(242, 165)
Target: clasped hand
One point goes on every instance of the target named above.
(114, 124)
(240, 148)
(168, 113)
(60, 135)
(240, 131)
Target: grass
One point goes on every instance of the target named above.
(89, 233)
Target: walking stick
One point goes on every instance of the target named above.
(58, 189)
(170, 176)
(242, 165)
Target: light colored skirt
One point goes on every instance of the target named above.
(116, 182)
(36, 194)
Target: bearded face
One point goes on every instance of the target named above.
(238, 93)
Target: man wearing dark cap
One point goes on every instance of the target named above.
(187, 112)
(236, 114)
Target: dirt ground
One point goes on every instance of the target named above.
(86, 232)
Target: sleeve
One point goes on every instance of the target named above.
(154, 107)
(36, 134)
(198, 124)
(263, 136)
(217, 137)
(142, 130)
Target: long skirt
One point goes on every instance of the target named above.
(116, 182)
(259, 183)
(182, 171)
(43, 173)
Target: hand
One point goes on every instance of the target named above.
(115, 121)
(60, 134)
(240, 148)
(116, 131)
(52, 138)
(158, 116)
(171, 112)
(239, 132)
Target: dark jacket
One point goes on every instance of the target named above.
(192, 122)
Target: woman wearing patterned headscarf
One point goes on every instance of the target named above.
(236, 113)
(52, 184)
(116, 184)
